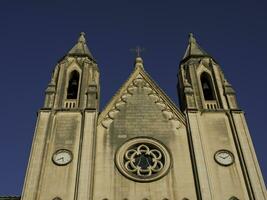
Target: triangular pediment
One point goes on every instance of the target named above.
(140, 79)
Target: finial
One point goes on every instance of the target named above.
(138, 59)
(82, 37)
(139, 63)
(191, 38)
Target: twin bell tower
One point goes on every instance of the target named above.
(141, 146)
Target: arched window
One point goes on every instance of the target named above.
(207, 86)
(73, 85)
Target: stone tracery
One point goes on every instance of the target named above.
(143, 160)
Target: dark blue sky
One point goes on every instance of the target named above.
(35, 35)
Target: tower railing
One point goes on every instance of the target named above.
(70, 103)
(211, 105)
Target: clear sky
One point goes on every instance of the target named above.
(34, 35)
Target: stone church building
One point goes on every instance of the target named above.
(141, 146)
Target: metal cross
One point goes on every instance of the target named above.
(138, 50)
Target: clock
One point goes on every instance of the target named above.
(62, 157)
(224, 157)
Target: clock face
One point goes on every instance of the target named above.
(62, 157)
(224, 157)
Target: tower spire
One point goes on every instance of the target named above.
(80, 48)
(193, 48)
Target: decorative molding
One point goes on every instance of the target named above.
(140, 82)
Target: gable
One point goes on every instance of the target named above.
(141, 93)
(140, 112)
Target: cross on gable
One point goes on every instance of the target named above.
(138, 50)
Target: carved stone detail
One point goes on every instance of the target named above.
(143, 159)
(139, 82)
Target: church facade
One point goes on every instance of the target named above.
(141, 146)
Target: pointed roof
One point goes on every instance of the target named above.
(80, 48)
(193, 48)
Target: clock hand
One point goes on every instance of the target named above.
(223, 157)
(62, 158)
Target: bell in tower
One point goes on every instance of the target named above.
(207, 87)
(73, 85)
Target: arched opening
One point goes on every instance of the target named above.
(207, 87)
(57, 198)
(73, 85)
(233, 198)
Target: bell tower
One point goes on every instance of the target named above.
(220, 143)
(61, 155)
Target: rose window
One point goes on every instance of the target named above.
(143, 159)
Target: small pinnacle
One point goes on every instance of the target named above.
(82, 37)
(191, 38)
(227, 83)
(186, 83)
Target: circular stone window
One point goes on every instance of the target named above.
(143, 159)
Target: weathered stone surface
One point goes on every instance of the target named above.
(141, 146)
